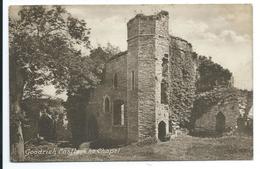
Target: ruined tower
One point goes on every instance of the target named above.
(148, 91)
(147, 76)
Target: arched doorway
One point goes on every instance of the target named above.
(162, 131)
(220, 122)
(92, 128)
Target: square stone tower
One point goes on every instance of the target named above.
(147, 76)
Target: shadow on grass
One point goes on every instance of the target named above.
(106, 144)
(95, 144)
(204, 134)
(65, 144)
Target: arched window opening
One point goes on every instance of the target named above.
(107, 105)
(115, 81)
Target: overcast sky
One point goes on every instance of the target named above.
(223, 32)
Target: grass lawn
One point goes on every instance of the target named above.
(180, 148)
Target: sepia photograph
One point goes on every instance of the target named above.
(169, 82)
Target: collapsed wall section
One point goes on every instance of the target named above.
(231, 102)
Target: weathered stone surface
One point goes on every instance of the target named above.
(147, 47)
(225, 100)
(152, 57)
(104, 119)
(182, 80)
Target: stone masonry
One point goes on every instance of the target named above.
(145, 87)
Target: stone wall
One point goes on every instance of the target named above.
(222, 100)
(95, 107)
(182, 80)
(147, 44)
(230, 101)
(146, 88)
(132, 95)
(162, 73)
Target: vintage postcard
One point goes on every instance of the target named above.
(130, 82)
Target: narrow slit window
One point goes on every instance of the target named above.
(122, 114)
(115, 81)
(132, 80)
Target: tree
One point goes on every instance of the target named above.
(211, 75)
(77, 101)
(44, 48)
(100, 56)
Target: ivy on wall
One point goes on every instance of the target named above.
(182, 85)
(191, 77)
(204, 101)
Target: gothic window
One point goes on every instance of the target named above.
(115, 81)
(132, 80)
(118, 112)
(107, 105)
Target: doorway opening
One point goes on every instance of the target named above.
(162, 131)
(220, 122)
(92, 128)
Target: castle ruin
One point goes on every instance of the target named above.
(146, 88)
